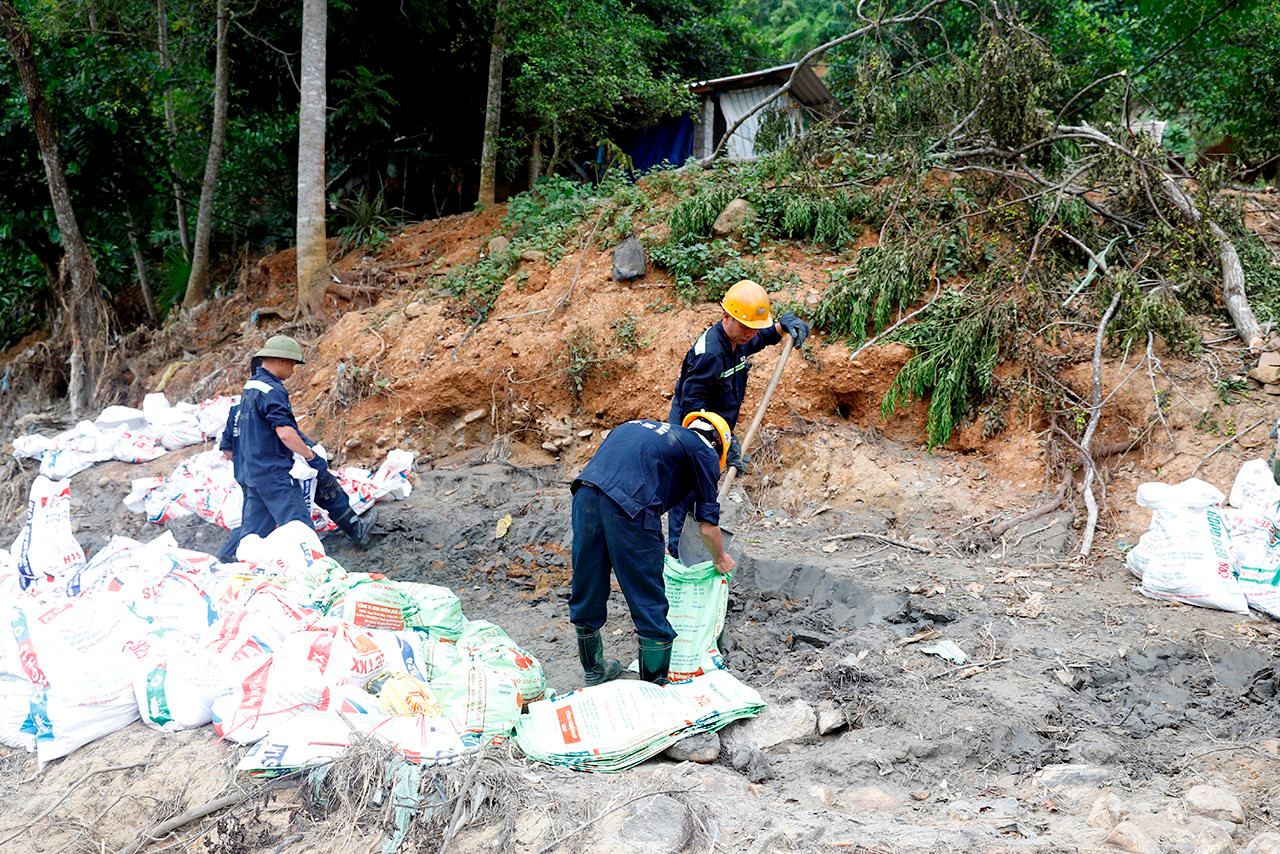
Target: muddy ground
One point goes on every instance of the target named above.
(1076, 687)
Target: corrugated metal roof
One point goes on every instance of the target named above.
(808, 89)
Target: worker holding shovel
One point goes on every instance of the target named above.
(713, 376)
(641, 469)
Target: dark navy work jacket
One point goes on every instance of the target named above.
(650, 466)
(264, 406)
(714, 374)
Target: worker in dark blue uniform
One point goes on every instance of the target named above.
(640, 470)
(227, 445)
(713, 376)
(329, 493)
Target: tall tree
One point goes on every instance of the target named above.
(311, 257)
(198, 282)
(83, 311)
(493, 105)
(171, 125)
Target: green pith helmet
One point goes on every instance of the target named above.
(281, 347)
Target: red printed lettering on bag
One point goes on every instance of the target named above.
(376, 616)
(568, 725)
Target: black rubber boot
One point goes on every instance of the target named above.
(591, 653)
(655, 660)
(356, 527)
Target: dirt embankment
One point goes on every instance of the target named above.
(1082, 707)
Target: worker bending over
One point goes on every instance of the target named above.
(713, 376)
(641, 469)
(261, 438)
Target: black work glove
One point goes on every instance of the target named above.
(798, 329)
(736, 458)
(320, 464)
(327, 487)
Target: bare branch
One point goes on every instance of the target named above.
(1086, 543)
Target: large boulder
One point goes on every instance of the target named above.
(658, 824)
(779, 723)
(628, 260)
(735, 218)
(1215, 803)
(1268, 369)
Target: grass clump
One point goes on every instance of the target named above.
(705, 270)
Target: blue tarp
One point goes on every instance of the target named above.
(668, 141)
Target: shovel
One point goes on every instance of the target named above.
(692, 549)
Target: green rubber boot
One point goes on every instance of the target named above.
(591, 653)
(655, 660)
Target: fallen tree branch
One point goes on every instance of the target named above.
(577, 270)
(166, 827)
(867, 535)
(1233, 294)
(1053, 503)
(68, 793)
(1152, 364)
(901, 320)
(1239, 435)
(560, 840)
(455, 821)
(1087, 459)
(1090, 503)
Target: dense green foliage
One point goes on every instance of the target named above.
(406, 109)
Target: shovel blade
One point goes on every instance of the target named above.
(692, 549)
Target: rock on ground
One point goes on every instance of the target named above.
(1264, 843)
(628, 260)
(498, 246)
(863, 798)
(830, 718)
(756, 764)
(1215, 803)
(736, 216)
(778, 724)
(1074, 780)
(1213, 840)
(658, 824)
(1108, 811)
(1127, 836)
(703, 747)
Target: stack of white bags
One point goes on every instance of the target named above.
(281, 648)
(126, 434)
(1203, 552)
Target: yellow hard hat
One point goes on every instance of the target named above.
(722, 432)
(747, 303)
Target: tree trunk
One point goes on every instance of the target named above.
(82, 305)
(535, 160)
(493, 107)
(311, 258)
(141, 263)
(198, 283)
(1233, 293)
(171, 124)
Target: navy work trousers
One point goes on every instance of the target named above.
(605, 538)
(330, 496)
(267, 506)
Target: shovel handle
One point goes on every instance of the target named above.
(754, 426)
